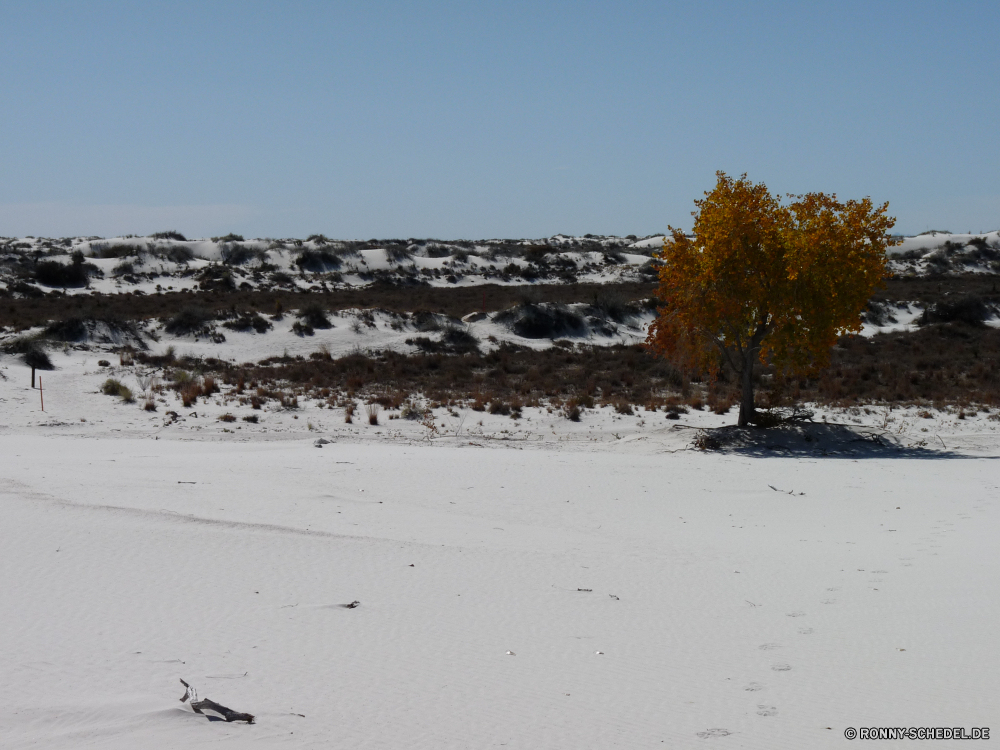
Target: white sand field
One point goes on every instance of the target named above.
(648, 598)
(649, 594)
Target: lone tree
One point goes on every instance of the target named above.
(37, 359)
(762, 281)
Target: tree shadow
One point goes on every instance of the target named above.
(817, 440)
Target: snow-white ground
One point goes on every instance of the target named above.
(649, 594)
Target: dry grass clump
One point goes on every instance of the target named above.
(112, 387)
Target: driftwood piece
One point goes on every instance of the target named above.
(200, 706)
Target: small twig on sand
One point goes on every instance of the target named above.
(790, 492)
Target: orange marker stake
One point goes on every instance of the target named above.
(41, 395)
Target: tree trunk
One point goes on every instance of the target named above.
(746, 394)
(750, 356)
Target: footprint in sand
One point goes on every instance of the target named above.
(806, 631)
(781, 667)
(795, 614)
(753, 687)
(714, 733)
(829, 601)
(834, 588)
(766, 710)
(769, 646)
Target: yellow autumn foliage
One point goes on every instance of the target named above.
(762, 280)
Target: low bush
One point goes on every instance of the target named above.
(112, 387)
(125, 268)
(412, 411)
(314, 315)
(187, 321)
(238, 255)
(170, 234)
(71, 329)
(55, 274)
(178, 254)
(318, 261)
(398, 254)
(249, 321)
(969, 310)
(538, 321)
(453, 341)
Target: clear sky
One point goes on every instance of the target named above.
(486, 119)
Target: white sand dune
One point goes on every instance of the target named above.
(650, 599)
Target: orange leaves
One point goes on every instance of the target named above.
(787, 278)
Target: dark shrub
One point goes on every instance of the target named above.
(178, 254)
(314, 315)
(170, 234)
(187, 321)
(229, 238)
(216, 278)
(28, 290)
(499, 407)
(125, 268)
(248, 321)
(970, 310)
(237, 255)
(54, 273)
(459, 341)
(453, 341)
(318, 261)
(426, 321)
(71, 329)
(611, 303)
(542, 321)
(398, 254)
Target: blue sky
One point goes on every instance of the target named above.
(475, 119)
